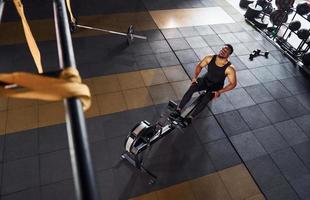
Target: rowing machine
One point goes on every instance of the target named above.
(143, 135)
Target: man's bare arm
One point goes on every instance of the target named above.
(201, 65)
(232, 79)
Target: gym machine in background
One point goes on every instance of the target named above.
(130, 34)
(284, 25)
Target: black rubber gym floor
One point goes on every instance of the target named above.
(266, 119)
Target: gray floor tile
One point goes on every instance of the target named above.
(20, 145)
(147, 62)
(52, 138)
(220, 28)
(274, 111)
(129, 182)
(270, 138)
(95, 129)
(153, 35)
(106, 184)
(282, 192)
(294, 86)
(186, 138)
(239, 98)
(302, 186)
(279, 56)
(265, 173)
(33, 194)
(303, 123)
(292, 106)
(203, 52)
(235, 27)
(279, 71)
(254, 46)
(213, 40)
(160, 46)
(222, 154)
(197, 163)
(254, 117)
(208, 129)
(238, 64)
(244, 36)
(55, 167)
(303, 152)
(229, 38)
(269, 46)
(190, 68)
(204, 30)
(246, 78)
(255, 35)
(291, 132)
(277, 90)
(258, 93)
(178, 44)
(263, 75)
(267, 61)
(232, 123)
(293, 69)
(187, 56)
(217, 48)
(1, 147)
(290, 165)
(171, 33)
(139, 49)
(167, 59)
(247, 146)
(304, 99)
(250, 63)
(221, 105)
(240, 49)
(114, 146)
(196, 42)
(58, 191)
(20, 174)
(188, 31)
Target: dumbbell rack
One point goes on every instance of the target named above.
(286, 51)
(295, 52)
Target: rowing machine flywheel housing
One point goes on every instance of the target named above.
(139, 136)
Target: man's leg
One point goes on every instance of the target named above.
(195, 87)
(202, 104)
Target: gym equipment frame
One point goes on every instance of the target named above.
(143, 135)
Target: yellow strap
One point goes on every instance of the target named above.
(29, 37)
(68, 2)
(46, 88)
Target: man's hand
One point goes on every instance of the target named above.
(217, 94)
(194, 80)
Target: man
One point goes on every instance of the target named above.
(219, 68)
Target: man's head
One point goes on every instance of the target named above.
(226, 51)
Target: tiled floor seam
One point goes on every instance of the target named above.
(238, 154)
(3, 157)
(286, 179)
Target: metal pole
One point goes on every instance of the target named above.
(1, 8)
(83, 172)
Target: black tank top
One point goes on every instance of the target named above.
(216, 75)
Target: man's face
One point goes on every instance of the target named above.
(224, 52)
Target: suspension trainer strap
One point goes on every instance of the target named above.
(34, 86)
(29, 37)
(72, 18)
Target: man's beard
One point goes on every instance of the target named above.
(222, 57)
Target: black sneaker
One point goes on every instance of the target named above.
(185, 122)
(175, 114)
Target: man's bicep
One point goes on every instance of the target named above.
(232, 78)
(205, 61)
